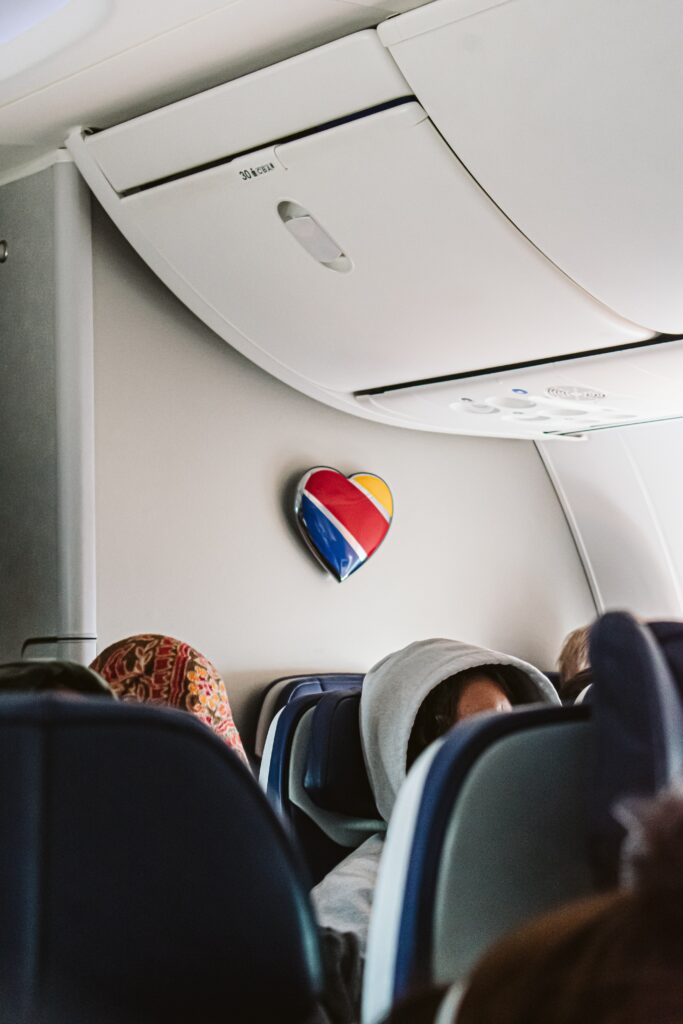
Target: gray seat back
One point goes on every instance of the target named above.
(490, 829)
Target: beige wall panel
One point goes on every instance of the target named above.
(197, 455)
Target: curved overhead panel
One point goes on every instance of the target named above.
(339, 253)
(572, 397)
(567, 112)
(439, 280)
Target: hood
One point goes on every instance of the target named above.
(394, 689)
(156, 669)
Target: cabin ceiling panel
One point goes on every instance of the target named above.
(145, 55)
(122, 27)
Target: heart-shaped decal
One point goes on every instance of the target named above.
(343, 519)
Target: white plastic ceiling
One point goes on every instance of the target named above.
(134, 56)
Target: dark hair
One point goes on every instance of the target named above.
(569, 689)
(438, 710)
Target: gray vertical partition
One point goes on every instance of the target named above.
(47, 543)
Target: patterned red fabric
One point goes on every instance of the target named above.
(159, 670)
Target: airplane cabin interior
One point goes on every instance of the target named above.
(342, 342)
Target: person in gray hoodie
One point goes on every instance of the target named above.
(409, 699)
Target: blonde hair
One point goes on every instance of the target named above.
(574, 656)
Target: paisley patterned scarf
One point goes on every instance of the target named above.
(159, 670)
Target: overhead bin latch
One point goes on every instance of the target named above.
(312, 237)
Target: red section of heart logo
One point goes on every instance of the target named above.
(350, 506)
(343, 519)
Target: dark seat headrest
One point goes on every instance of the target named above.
(288, 689)
(303, 686)
(638, 727)
(36, 676)
(336, 778)
(138, 855)
(669, 636)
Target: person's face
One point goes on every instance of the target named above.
(480, 693)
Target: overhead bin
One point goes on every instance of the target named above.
(567, 113)
(343, 256)
(318, 87)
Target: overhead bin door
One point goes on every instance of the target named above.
(315, 88)
(567, 112)
(407, 271)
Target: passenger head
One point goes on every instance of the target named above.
(574, 663)
(56, 676)
(468, 679)
(154, 669)
(612, 959)
(489, 688)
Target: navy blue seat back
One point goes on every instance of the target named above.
(638, 728)
(144, 876)
(336, 778)
(281, 692)
(275, 770)
(314, 774)
(669, 636)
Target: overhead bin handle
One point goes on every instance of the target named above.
(312, 237)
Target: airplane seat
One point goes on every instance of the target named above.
(585, 696)
(669, 636)
(490, 829)
(554, 678)
(314, 774)
(145, 879)
(315, 849)
(335, 777)
(638, 724)
(281, 691)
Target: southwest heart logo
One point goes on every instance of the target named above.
(343, 519)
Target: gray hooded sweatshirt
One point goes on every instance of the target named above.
(393, 692)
